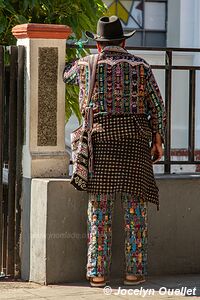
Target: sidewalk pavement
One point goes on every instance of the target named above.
(156, 287)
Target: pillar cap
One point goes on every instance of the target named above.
(42, 31)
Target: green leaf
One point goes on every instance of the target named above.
(3, 23)
(80, 15)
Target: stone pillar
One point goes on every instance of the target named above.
(44, 152)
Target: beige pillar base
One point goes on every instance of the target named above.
(50, 166)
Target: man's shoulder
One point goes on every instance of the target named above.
(132, 59)
(135, 58)
(86, 58)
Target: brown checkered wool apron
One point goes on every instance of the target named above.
(122, 157)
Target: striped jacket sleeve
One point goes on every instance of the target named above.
(155, 105)
(71, 72)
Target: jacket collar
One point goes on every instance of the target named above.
(114, 49)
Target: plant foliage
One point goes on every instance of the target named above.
(80, 15)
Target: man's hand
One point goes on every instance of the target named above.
(156, 150)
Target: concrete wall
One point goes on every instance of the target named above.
(182, 23)
(58, 240)
(173, 23)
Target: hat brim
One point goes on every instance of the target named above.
(93, 36)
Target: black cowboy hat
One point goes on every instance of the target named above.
(109, 29)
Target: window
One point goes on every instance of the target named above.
(148, 17)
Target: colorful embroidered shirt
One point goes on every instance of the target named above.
(124, 84)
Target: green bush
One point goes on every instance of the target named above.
(80, 15)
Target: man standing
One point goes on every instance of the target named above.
(128, 115)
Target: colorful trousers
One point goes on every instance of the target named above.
(99, 233)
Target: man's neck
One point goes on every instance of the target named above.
(113, 48)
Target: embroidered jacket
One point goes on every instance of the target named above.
(124, 84)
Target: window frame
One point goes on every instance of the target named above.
(143, 30)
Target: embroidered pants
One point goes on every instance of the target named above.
(99, 226)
